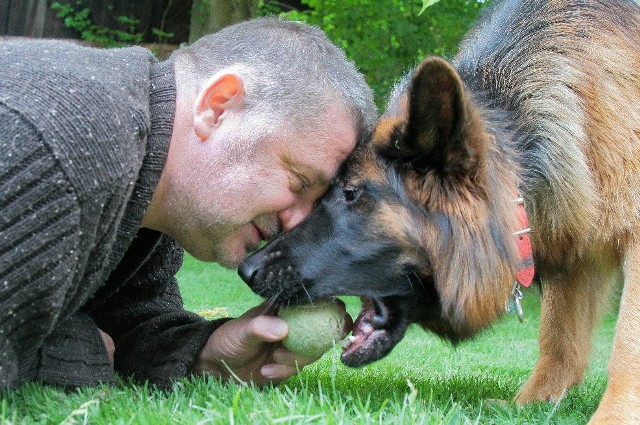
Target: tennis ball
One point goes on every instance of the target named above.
(313, 328)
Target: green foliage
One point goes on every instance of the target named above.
(162, 35)
(201, 11)
(269, 7)
(385, 38)
(78, 18)
(427, 3)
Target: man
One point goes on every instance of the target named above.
(110, 161)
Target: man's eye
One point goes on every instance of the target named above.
(299, 183)
(304, 183)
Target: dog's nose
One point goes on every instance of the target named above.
(248, 269)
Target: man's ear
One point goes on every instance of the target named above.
(224, 91)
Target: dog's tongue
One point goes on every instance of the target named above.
(369, 340)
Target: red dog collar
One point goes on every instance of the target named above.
(523, 239)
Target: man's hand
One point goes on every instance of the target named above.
(248, 348)
(108, 345)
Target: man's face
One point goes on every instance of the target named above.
(253, 193)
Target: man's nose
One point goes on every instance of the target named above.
(293, 215)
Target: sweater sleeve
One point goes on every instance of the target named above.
(156, 339)
(43, 253)
(74, 354)
(39, 216)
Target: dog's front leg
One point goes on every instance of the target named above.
(620, 402)
(571, 305)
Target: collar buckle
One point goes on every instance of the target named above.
(514, 302)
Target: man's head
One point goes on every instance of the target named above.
(266, 112)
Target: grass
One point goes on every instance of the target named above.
(423, 381)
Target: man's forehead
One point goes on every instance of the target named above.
(323, 162)
(321, 150)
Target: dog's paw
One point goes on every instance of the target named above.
(619, 404)
(541, 387)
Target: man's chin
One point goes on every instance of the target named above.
(226, 259)
(207, 257)
(231, 260)
(228, 253)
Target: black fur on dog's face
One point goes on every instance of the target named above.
(412, 225)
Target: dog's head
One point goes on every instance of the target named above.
(418, 224)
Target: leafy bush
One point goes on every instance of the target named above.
(78, 18)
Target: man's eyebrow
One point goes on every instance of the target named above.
(322, 179)
(316, 177)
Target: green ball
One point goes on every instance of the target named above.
(313, 328)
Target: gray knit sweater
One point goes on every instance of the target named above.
(84, 134)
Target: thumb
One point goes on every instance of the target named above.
(266, 329)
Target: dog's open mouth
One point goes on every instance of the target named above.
(383, 318)
(378, 328)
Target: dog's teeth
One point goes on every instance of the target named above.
(346, 342)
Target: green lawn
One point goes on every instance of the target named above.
(423, 381)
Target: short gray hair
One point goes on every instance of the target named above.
(292, 70)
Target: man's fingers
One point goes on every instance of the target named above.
(286, 357)
(278, 372)
(108, 345)
(268, 328)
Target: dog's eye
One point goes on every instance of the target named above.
(351, 194)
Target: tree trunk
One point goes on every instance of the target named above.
(209, 16)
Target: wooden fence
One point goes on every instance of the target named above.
(35, 18)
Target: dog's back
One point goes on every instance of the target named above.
(570, 72)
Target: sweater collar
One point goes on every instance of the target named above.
(162, 102)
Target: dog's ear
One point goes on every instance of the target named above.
(439, 133)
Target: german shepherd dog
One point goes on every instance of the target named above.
(542, 103)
